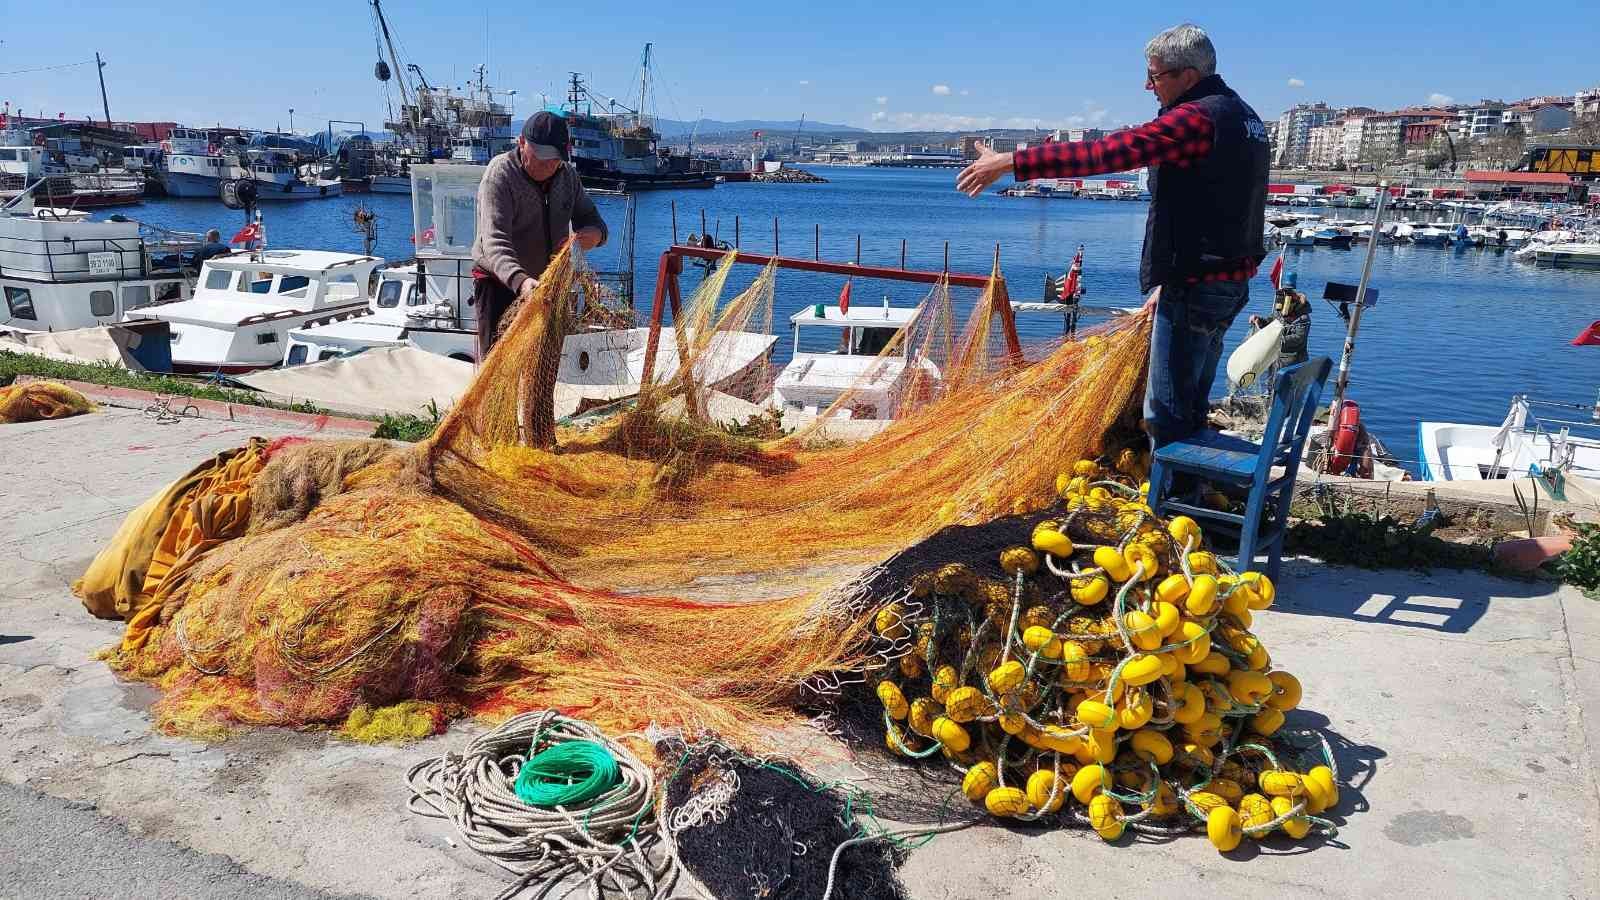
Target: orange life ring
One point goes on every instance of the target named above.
(1346, 428)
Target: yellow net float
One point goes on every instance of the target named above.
(950, 733)
(1196, 643)
(1045, 791)
(1135, 709)
(1280, 783)
(1267, 722)
(1224, 828)
(1201, 598)
(1018, 559)
(893, 700)
(1142, 629)
(1006, 802)
(1152, 746)
(1047, 538)
(1043, 641)
(1255, 811)
(1296, 826)
(1285, 691)
(1097, 714)
(924, 710)
(1006, 677)
(1105, 817)
(980, 779)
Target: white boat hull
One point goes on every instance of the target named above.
(1452, 451)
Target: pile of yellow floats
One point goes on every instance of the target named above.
(1103, 669)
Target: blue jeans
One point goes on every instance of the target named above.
(1185, 346)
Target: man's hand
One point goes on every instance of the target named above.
(589, 238)
(984, 171)
(529, 285)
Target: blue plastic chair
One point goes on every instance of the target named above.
(1231, 461)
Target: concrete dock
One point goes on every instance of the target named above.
(1464, 711)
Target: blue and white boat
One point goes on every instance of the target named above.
(191, 165)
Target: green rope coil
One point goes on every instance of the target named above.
(568, 774)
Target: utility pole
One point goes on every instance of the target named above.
(105, 104)
(291, 120)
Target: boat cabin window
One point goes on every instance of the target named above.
(297, 354)
(102, 304)
(327, 354)
(20, 302)
(389, 294)
(871, 341)
(260, 284)
(267, 337)
(170, 290)
(413, 298)
(293, 284)
(135, 296)
(217, 279)
(8, 155)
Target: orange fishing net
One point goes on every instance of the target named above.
(41, 400)
(652, 566)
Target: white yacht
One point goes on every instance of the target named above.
(1524, 444)
(247, 303)
(1585, 253)
(852, 342)
(60, 271)
(433, 314)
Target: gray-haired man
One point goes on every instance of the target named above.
(1207, 154)
(530, 199)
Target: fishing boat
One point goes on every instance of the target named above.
(59, 270)
(1431, 235)
(838, 351)
(618, 149)
(1526, 443)
(247, 302)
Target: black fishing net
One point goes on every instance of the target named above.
(748, 827)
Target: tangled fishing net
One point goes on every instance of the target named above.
(38, 400)
(475, 574)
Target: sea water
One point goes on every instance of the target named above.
(1454, 334)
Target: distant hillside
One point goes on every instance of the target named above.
(673, 127)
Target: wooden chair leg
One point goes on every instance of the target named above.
(1251, 527)
(1159, 476)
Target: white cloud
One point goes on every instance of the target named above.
(1438, 99)
(966, 93)
(882, 101)
(804, 82)
(941, 90)
(909, 121)
(1296, 83)
(1093, 116)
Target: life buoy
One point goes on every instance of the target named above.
(38, 139)
(1346, 428)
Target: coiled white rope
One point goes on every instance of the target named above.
(608, 845)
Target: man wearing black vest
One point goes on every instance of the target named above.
(1208, 156)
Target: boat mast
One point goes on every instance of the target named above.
(394, 58)
(644, 86)
(1343, 380)
(104, 103)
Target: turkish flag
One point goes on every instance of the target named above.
(246, 234)
(1276, 275)
(1589, 337)
(844, 297)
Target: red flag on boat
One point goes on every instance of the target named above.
(246, 235)
(1589, 337)
(1071, 285)
(844, 297)
(1276, 275)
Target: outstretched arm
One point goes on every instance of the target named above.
(1177, 137)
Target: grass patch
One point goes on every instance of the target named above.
(111, 375)
(406, 427)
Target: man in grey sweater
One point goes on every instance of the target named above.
(529, 201)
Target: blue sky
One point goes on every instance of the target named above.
(890, 65)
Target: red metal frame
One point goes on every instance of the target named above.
(671, 267)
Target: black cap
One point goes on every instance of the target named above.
(546, 134)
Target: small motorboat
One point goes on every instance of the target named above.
(1337, 238)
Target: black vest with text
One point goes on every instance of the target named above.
(1209, 215)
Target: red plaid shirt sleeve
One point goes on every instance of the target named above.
(1177, 137)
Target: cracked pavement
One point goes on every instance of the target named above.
(1463, 712)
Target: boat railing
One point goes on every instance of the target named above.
(55, 260)
(1558, 434)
